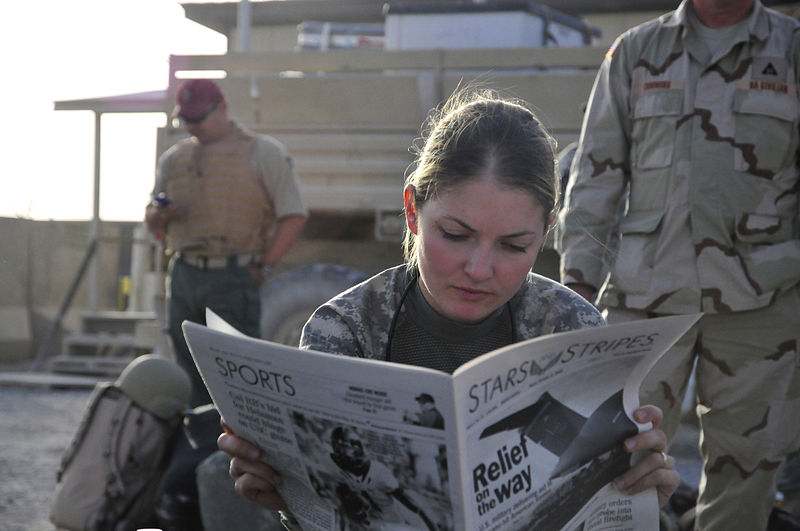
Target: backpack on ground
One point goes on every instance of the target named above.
(109, 473)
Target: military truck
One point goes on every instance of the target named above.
(345, 85)
(348, 101)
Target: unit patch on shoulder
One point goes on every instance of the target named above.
(613, 47)
(768, 73)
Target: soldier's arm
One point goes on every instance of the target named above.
(598, 176)
(158, 214)
(287, 230)
(277, 168)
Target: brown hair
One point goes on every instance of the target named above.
(479, 133)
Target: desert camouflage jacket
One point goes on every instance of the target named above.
(704, 151)
(357, 322)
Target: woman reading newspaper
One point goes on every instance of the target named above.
(478, 207)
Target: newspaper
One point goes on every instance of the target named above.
(526, 436)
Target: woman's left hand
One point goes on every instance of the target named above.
(655, 470)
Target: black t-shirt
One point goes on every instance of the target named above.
(425, 338)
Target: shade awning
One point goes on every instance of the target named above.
(153, 101)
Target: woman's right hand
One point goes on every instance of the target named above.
(254, 479)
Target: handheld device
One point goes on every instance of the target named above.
(162, 199)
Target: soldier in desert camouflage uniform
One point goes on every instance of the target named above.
(695, 126)
(477, 210)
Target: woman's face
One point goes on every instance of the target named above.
(476, 243)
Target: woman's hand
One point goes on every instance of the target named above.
(254, 479)
(655, 470)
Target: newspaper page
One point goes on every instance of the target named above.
(544, 423)
(526, 436)
(355, 441)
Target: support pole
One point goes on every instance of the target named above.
(92, 290)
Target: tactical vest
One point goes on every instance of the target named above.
(226, 206)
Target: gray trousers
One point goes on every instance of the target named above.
(231, 292)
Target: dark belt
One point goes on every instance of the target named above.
(205, 262)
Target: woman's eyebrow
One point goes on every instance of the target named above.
(460, 222)
(471, 229)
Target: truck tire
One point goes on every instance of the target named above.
(288, 300)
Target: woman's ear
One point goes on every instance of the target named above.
(410, 207)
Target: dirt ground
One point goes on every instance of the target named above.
(36, 425)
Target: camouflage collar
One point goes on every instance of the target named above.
(757, 22)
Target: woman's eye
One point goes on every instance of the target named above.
(452, 235)
(516, 248)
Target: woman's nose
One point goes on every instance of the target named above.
(479, 264)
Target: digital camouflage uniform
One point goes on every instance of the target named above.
(357, 322)
(704, 151)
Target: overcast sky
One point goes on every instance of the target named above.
(56, 50)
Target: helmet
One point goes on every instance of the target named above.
(157, 384)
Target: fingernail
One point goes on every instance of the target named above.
(630, 444)
(619, 484)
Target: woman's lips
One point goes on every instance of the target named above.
(471, 294)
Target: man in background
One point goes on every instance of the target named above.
(428, 414)
(693, 126)
(227, 201)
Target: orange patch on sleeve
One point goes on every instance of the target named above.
(613, 47)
